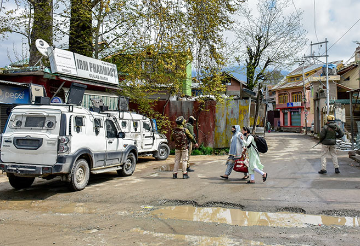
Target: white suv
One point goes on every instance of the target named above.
(65, 140)
(143, 131)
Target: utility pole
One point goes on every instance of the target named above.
(304, 97)
(327, 73)
(327, 80)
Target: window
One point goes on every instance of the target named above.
(123, 124)
(79, 121)
(146, 126)
(296, 97)
(32, 121)
(347, 79)
(111, 131)
(97, 122)
(283, 98)
(135, 126)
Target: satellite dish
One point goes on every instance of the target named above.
(42, 46)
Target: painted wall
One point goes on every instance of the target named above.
(188, 81)
(353, 76)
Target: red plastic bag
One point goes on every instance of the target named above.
(240, 165)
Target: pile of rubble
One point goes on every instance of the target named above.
(344, 145)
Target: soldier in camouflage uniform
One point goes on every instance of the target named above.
(180, 136)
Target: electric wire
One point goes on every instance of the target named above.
(344, 34)
(352, 56)
(315, 22)
(341, 36)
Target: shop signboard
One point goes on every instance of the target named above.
(293, 104)
(90, 68)
(14, 95)
(62, 61)
(66, 62)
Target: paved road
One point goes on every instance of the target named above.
(295, 206)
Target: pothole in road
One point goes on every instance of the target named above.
(247, 218)
(196, 204)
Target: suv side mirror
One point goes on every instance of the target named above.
(121, 135)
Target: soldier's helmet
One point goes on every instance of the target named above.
(180, 120)
(330, 117)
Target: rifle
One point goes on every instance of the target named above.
(315, 145)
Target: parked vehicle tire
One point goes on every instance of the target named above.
(129, 166)
(79, 176)
(162, 153)
(20, 182)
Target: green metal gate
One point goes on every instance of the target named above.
(296, 117)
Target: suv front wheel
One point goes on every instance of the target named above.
(129, 166)
(162, 153)
(79, 176)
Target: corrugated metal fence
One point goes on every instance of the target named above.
(214, 120)
(235, 112)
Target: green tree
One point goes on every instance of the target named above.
(268, 38)
(272, 77)
(169, 36)
(151, 41)
(81, 29)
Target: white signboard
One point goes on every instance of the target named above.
(62, 61)
(66, 62)
(91, 68)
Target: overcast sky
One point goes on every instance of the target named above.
(329, 19)
(332, 19)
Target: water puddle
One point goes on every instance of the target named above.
(197, 240)
(47, 206)
(246, 218)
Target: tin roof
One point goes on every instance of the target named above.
(285, 84)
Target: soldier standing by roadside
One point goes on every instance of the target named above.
(328, 136)
(180, 136)
(190, 126)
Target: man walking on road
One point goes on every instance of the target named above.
(328, 136)
(190, 126)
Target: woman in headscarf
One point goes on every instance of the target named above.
(236, 150)
(254, 159)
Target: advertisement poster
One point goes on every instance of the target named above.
(14, 95)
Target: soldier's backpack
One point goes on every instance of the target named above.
(339, 133)
(180, 138)
(261, 145)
